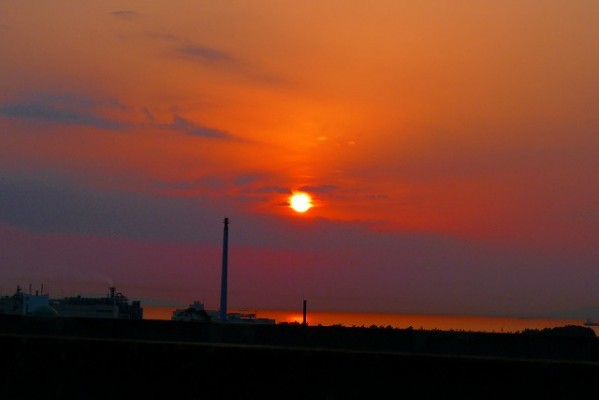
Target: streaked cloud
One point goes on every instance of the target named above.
(181, 124)
(246, 179)
(318, 189)
(56, 113)
(85, 111)
(125, 14)
(52, 203)
(226, 61)
(205, 54)
(273, 189)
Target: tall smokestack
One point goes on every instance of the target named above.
(223, 282)
(304, 319)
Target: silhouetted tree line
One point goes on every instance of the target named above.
(568, 330)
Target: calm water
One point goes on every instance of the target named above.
(428, 322)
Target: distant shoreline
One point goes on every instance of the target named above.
(401, 321)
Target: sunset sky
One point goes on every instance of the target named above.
(451, 149)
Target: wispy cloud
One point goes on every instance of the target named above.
(228, 62)
(85, 111)
(273, 189)
(248, 178)
(205, 54)
(318, 189)
(184, 125)
(125, 14)
(64, 109)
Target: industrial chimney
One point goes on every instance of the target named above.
(304, 319)
(223, 282)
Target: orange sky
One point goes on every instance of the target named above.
(473, 122)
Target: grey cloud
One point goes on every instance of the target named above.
(125, 14)
(205, 54)
(318, 189)
(273, 189)
(247, 179)
(183, 125)
(51, 204)
(65, 109)
(209, 182)
(225, 60)
(80, 110)
(148, 114)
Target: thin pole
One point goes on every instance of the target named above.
(223, 282)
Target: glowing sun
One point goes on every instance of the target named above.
(301, 202)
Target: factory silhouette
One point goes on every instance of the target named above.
(118, 306)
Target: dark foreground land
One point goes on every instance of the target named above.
(114, 359)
